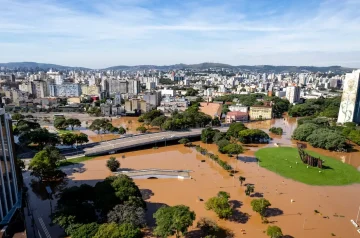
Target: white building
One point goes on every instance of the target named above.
(65, 90)
(238, 108)
(293, 94)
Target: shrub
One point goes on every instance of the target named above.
(113, 164)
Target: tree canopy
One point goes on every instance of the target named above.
(327, 107)
(40, 136)
(260, 206)
(235, 128)
(113, 230)
(125, 213)
(44, 164)
(274, 232)
(253, 136)
(220, 205)
(173, 220)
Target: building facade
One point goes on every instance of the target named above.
(293, 94)
(10, 195)
(260, 112)
(65, 90)
(236, 116)
(350, 101)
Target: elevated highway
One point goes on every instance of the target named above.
(114, 146)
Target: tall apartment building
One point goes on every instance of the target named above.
(39, 88)
(153, 98)
(293, 94)
(350, 101)
(134, 87)
(9, 190)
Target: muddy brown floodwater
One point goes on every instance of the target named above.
(130, 124)
(337, 205)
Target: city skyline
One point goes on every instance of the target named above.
(109, 33)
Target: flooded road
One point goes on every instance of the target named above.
(337, 205)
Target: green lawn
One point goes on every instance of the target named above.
(66, 131)
(75, 161)
(280, 159)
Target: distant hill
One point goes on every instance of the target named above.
(201, 66)
(34, 65)
(255, 68)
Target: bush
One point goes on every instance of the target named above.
(276, 130)
(113, 164)
(253, 136)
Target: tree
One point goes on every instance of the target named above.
(113, 164)
(68, 138)
(72, 122)
(207, 135)
(242, 179)
(158, 121)
(303, 131)
(173, 220)
(142, 129)
(215, 122)
(133, 215)
(207, 226)
(17, 116)
(233, 149)
(191, 92)
(125, 188)
(354, 136)
(40, 137)
(184, 141)
(219, 136)
(276, 130)
(60, 123)
(122, 130)
(222, 144)
(253, 136)
(249, 189)
(24, 126)
(85, 230)
(260, 206)
(235, 128)
(44, 164)
(274, 232)
(220, 205)
(223, 194)
(113, 230)
(99, 124)
(82, 138)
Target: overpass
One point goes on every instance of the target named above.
(114, 146)
(156, 173)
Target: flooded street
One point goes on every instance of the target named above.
(297, 219)
(336, 205)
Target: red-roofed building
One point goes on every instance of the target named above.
(236, 116)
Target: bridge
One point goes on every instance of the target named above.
(156, 173)
(114, 146)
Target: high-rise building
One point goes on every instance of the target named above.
(134, 87)
(350, 101)
(9, 190)
(293, 94)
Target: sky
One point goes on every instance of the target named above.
(103, 33)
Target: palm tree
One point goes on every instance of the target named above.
(242, 179)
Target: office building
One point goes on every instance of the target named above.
(293, 94)
(350, 101)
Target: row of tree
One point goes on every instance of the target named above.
(105, 125)
(61, 123)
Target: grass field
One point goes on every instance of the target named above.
(75, 161)
(280, 159)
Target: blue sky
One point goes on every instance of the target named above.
(96, 34)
